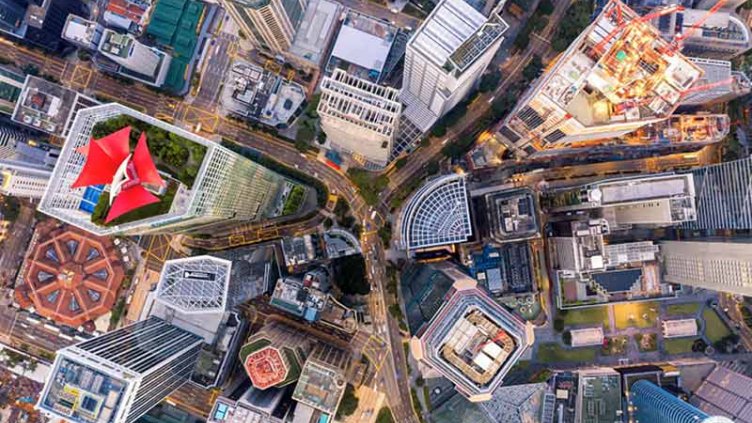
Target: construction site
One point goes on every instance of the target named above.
(618, 76)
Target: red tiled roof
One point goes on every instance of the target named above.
(71, 277)
(265, 367)
(126, 9)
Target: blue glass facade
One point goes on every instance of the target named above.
(653, 404)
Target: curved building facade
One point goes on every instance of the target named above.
(437, 214)
(654, 404)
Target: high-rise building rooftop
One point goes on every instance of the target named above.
(196, 285)
(202, 182)
(119, 376)
(446, 56)
(723, 196)
(360, 118)
(472, 340)
(437, 214)
(617, 76)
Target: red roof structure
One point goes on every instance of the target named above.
(126, 9)
(266, 367)
(108, 161)
(71, 277)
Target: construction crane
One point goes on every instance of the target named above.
(598, 48)
(674, 44)
(678, 38)
(709, 86)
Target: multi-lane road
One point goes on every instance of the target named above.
(539, 46)
(392, 377)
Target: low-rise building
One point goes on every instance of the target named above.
(82, 32)
(137, 61)
(128, 15)
(366, 47)
(70, 276)
(587, 337)
(679, 328)
(504, 270)
(599, 396)
(436, 215)
(252, 93)
(506, 215)
(49, 107)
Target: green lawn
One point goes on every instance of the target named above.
(592, 315)
(551, 353)
(678, 345)
(680, 309)
(715, 328)
(633, 314)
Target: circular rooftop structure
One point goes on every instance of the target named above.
(71, 277)
(195, 284)
(437, 214)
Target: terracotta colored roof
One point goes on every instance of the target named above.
(266, 367)
(71, 277)
(126, 9)
(104, 158)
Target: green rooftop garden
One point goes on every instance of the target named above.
(172, 153)
(294, 200)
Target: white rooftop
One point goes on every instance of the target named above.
(451, 23)
(361, 48)
(641, 189)
(679, 328)
(195, 284)
(587, 337)
(315, 29)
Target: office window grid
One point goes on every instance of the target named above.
(438, 214)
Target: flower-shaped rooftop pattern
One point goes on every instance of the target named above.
(71, 277)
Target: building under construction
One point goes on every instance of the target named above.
(616, 77)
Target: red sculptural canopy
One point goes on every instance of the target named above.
(109, 161)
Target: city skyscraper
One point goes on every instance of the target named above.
(463, 334)
(652, 200)
(119, 376)
(723, 194)
(270, 25)
(19, 179)
(709, 263)
(212, 184)
(446, 57)
(617, 76)
(359, 117)
(719, 83)
(654, 404)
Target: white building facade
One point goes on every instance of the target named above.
(360, 118)
(709, 264)
(226, 187)
(18, 179)
(446, 57)
(119, 376)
